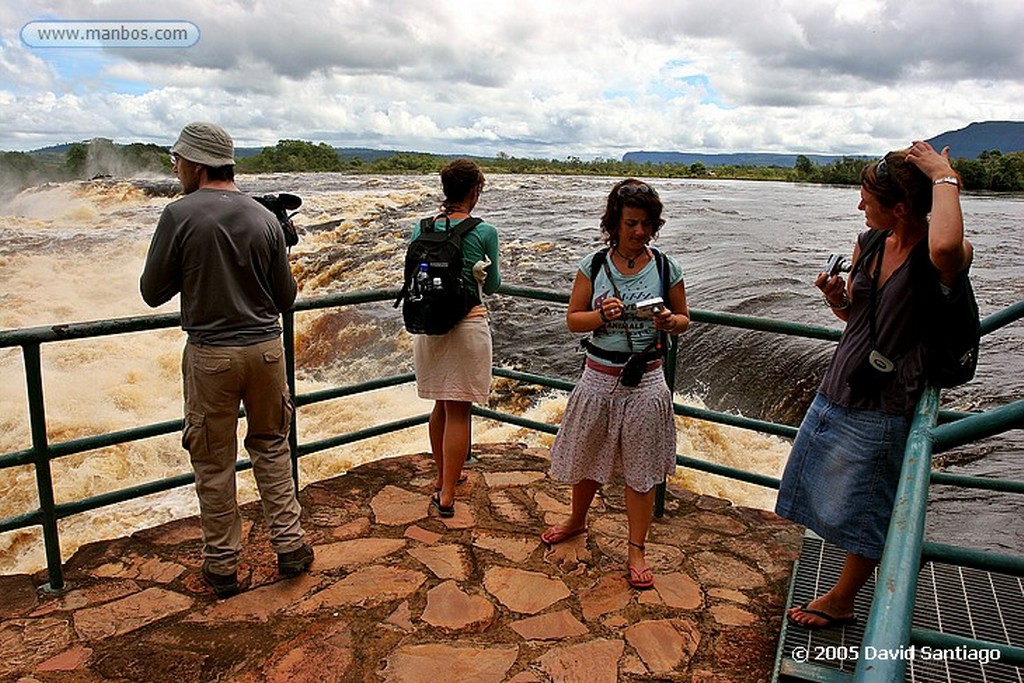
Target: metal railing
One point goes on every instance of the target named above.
(889, 624)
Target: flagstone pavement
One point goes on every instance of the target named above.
(398, 594)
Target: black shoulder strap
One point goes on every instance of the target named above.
(465, 226)
(662, 263)
(595, 265)
(875, 240)
(659, 259)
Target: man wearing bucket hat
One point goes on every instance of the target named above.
(225, 254)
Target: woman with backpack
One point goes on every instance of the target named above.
(454, 368)
(619, 421)
(841, 477)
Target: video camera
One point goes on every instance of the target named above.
(280, 205)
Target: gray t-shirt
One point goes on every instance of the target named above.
(900, 306)
(225, 254)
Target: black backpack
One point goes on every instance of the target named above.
(951, 321)
(953, 327)
(434, 297)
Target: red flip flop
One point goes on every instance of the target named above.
(636, 580)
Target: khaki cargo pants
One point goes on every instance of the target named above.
(217, 379)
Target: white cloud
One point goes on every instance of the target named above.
(546, 78)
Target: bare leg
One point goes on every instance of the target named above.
(639, 512)
(454, 447)
(436, 430)
(583, 493)
(839, 600)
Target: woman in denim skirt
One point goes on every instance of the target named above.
(841, 477)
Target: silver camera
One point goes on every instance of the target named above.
(648, 308)
(837, 263)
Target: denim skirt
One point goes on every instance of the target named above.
(841, 477)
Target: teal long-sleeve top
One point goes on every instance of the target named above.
(481, 240)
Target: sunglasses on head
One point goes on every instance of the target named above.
(631, 190)
(882, 168)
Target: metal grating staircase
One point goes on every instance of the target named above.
(950, 599)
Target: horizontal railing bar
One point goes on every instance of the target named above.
(727, 471)
(750, 322)
(979, 426)
(1008, 654)
(1002, 318)
(344, 299)
(977, 559)
(532, 293)
(358, 435)
(85, 330)
(735, 420)
(973, 482)
(22, 521)
(98, 328)
(514, 419)
(340, 392)
(550, 382)
(123, 495)
(680, 409)
(947, 415)
(703, 316)
(88, 443)
(17, 459)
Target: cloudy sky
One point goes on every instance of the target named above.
(533, 78)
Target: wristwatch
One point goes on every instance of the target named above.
(946, 180)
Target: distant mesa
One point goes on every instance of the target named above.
(966, 143)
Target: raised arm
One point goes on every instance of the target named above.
(950, 252)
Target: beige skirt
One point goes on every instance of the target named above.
(455, 366)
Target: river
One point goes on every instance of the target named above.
(73, 252)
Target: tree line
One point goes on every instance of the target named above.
(991, 171)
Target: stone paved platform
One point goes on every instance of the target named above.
(397, 594)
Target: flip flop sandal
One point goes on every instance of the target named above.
(554, 535)
(636, 580)
(830, 620)
(446, 512)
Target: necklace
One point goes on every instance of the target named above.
(630, 262)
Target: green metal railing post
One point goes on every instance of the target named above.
(41, 456)
(670, 379)
(288, 339)
(889, 621)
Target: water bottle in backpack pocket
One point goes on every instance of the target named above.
(434, 297)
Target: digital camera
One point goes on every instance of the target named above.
(648, 308)
(837, 263)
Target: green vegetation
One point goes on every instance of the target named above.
(80, 160)
(992, 171)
